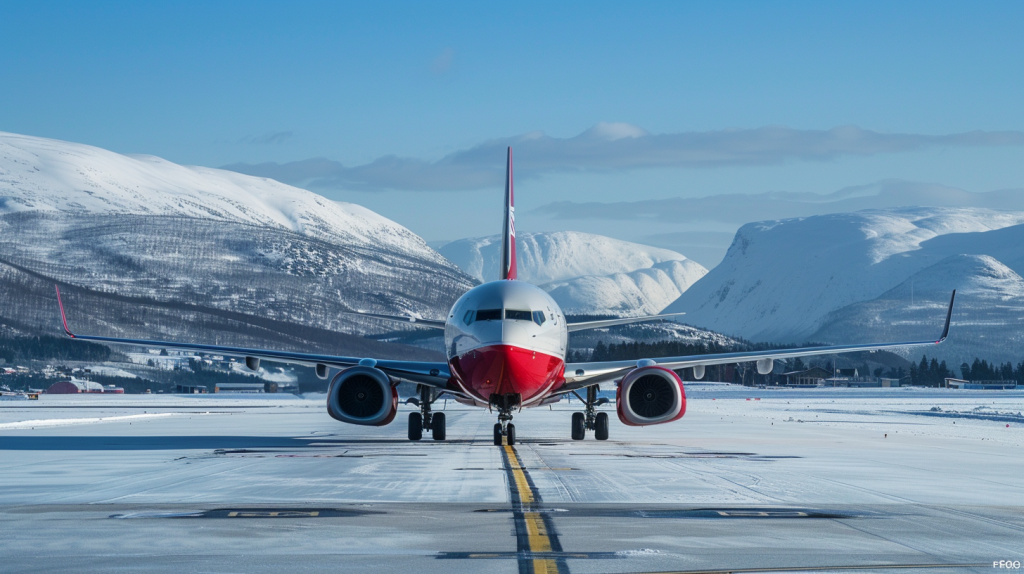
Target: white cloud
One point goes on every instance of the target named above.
(612, 147)
(742, 208)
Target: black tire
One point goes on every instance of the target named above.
(579, 426)
(437, 426)
(601, 426)
(415, 426)
(497, 434)
(510, 434)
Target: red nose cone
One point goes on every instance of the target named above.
(504, 369)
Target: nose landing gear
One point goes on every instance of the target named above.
(590, 419)
(425, 419)
(504, 427)
(508, 432)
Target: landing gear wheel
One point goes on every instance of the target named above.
(497, 434)
(510, 434)
(415, 426)
(579, 428)
(437, 426)
(600, 426)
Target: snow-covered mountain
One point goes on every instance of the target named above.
(146, 247)
(989, 319)
(555, 256)
(45, 175)
(871, 275)
(645, 291)
(585, 273)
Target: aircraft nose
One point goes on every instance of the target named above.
(513, 332)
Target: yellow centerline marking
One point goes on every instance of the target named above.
(522, 485)
(537, 536)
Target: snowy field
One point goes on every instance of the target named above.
(749, 478)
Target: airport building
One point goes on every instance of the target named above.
(981, 385)
(807, 378)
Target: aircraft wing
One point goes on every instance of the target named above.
(579, 375)
(427, 373)
(431, 323)
(610, 322)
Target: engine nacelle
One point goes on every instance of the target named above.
(650, 396)
(362, 396)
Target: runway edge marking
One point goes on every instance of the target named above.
(535, 533)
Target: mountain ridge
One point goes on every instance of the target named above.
(241, 250)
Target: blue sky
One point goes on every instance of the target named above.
(429, 86)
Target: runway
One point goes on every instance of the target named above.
(788, 480)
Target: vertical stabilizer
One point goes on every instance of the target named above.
(508, 239)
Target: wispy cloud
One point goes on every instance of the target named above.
(743, 208)
(269, 138)
(611, 147)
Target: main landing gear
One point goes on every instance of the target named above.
(426, 420)
(504, 427)
(590, 419)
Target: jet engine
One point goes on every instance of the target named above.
(649, 396)
(362, 396)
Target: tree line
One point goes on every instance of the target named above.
(46, 347)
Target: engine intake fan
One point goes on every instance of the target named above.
(650, 396)
(362, 396)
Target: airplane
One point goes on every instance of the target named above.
(505, 343)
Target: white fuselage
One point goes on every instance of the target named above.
(506, 337)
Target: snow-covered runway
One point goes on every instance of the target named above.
(808, 478)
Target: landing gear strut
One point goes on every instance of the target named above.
(425, 419)
(590, 419)
(504, 427)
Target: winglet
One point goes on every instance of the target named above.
(949, 315)
(63, 317)
(508, 239)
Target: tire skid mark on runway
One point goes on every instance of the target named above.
(940, 526)
(166, 484)
(120, 482)
(714, 475)
(973, 479)
(905, 501)
(888, 539)
(560, 486)
(535, 533)
(978, 518)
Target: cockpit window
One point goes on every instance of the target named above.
(488, 315)
(469, 317)
(518, 315)
(538, 317)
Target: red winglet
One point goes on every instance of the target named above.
(62, 316)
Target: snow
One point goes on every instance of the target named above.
(111, 371)
(644, 291)
(785, 280)
(586, 274)
(223, 245)
(722, 489)
(555, 256)
(49, 423)
(39, 174)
